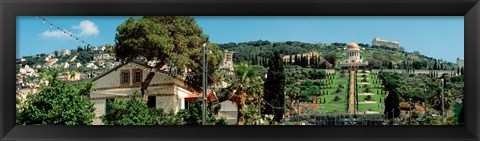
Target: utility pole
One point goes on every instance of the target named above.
(204, 86)
(410, 112)
(425, 97)
(259, 104)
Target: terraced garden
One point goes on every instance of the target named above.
(329, 92)
(336, 93)
(370, 93)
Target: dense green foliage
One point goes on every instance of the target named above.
(130, 112)
(250, 115)
(135, 112)
(57, 103)
(193, 114)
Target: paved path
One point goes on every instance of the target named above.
(351, 99)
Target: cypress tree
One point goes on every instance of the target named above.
(290, 59)
(274, 87)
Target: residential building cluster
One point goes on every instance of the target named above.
(100, 62)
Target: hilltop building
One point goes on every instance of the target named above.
(227, 62)
(460, 62)
(379, 42)
(353, 57)
(64, 52)
(226, 67)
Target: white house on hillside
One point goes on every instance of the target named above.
(165, 91)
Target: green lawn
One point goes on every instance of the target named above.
(372, 90)
(333, 108)
(374, 97)
(329, 98)
(370, 107)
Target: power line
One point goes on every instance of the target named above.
(63, 30)
(273, 105)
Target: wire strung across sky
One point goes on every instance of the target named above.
(64, 31)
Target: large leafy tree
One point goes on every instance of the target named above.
(57, 103)
(246, 84)
(274, 88)
(171, 40)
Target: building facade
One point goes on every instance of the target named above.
(460, 62)
(379, 42)
(121, 82)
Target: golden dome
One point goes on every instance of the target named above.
(353, 45)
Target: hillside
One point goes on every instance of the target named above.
(377, 56)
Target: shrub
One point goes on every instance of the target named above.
(367, 89)
(364, 79)
(338, 90)
(368, 98)
(337, 98)
(130, 112)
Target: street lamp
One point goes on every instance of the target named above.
(285, 107)
(443, 107)
(204, 83)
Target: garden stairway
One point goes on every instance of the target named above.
(351, 97)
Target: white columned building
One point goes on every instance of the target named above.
(353, 57)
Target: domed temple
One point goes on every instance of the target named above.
(353, 57)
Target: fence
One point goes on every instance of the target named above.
(340, 119)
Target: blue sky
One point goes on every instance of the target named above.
(435, 36)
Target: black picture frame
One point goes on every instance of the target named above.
(9, 9)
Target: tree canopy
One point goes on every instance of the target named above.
(175, 41)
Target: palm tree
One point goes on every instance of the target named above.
(292, 93)
(246, 84)
(436, 101)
